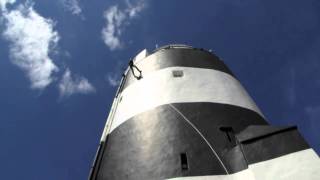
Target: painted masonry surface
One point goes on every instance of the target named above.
(180, 113)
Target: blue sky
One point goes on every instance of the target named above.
(60, 61)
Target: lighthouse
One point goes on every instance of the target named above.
(180, 113)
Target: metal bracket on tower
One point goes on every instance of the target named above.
(132, 70)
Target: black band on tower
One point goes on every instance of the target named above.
(178, 58)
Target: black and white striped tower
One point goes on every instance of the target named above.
(179, 112)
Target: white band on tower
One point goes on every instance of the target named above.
(196, 85)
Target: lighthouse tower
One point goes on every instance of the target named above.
(180, 113)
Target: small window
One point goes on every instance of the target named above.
(184, 161)
(177, 73)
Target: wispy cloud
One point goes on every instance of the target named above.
(3, 4)
(71, 85)
(113, 79)
(133, 10)
(116, 21)
(114, 76)
(112, 31)
(73, 6)
(32, 38)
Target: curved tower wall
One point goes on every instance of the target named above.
(188, 115)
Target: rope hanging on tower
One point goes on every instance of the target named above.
(133, 72)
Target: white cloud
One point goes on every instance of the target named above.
(133, 10)
(70, 85)
(116, 20)
(73, 6)
(31, 38)
(112, 31)
(113, 79)
(3, 4)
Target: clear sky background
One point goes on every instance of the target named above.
(60, 62)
